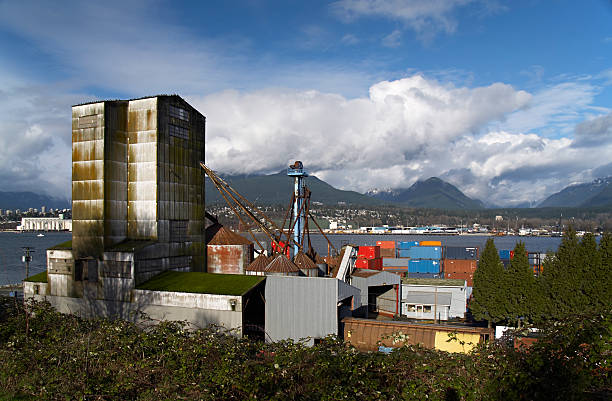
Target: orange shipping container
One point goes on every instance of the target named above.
(430, 243)
(459, 265)
(386, 244)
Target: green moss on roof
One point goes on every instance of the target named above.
(64, 246)
(203, 283)
(432, 281)
(130, 246)
(38, 278)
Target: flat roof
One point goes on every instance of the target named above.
(433, 281)
(125, 100)
(202, 283)
(64, 246)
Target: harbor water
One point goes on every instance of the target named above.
(12, 269)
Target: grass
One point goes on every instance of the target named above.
(38, 278)
(63, 246)
(432, 281)
(203, 283)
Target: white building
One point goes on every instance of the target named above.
(426, 298)
(45, 224)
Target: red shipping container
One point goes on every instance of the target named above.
(386, 244)
(374, 264)
(362, 263)
(369, 252)
(460, 265)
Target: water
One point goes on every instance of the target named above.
(532, 244)
(12, 269)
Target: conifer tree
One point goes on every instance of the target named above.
(561, 274)
(489, 298)
(602, 277)
(521, 287)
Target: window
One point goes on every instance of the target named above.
(426, 308)
(178, 132)
(179, 113)
(412, 308)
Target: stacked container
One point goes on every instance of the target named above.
(387, 249)
(368, 257)
(505, 256)
(460, 263)
(422, 258)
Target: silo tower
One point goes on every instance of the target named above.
(298, 222)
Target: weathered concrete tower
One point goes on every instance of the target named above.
(137, 194)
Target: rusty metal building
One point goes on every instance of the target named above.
(137, 194)
(227, 252)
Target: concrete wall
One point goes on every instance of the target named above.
(196, 317)
(60, 272)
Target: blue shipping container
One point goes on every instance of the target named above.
(425, 252)
(424, 266)
(403, 253)
(504, 254)
(407, 244)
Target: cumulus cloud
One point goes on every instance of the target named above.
(404, 130)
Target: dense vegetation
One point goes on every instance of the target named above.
(577, 279)
(48, 356)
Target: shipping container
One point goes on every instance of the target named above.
(387, 252)
(397, 262)
(369, 334)
(407, 244)
(374, 264)
(504, 254)
(424, 266)
(369, 252)
(460, 252)
(421, 252)
(430, 243)
(386, 244)
(459, 265)
(469, 277)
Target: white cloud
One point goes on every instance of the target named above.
(426, 18)
(393, 39)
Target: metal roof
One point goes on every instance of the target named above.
(303, 261)
(219, 235)
(427, 298)
(259, 264)
(281, 264)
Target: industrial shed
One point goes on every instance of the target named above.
(419, 298)
(227, 252)
(380, 291)
(309, 308)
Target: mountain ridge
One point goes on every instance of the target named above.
(589, 194)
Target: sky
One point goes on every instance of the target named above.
(510, 101)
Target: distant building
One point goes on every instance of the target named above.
(45, 224)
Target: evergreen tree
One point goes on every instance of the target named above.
(562, 275)
(602, 277)
(521, 287)
(489, 298)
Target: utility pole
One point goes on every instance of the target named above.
(27, 258)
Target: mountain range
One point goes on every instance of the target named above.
(591, 194)
(431, 193)
(275, 189)
(26, 200)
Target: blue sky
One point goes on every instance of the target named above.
(510, 101)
